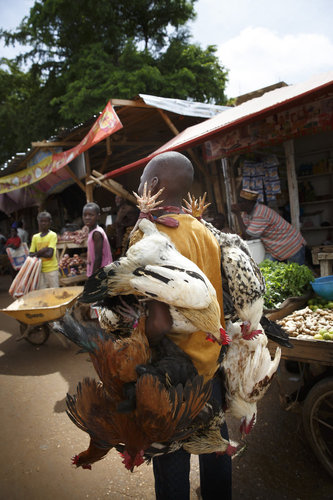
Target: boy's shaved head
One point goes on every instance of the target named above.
(170, 170)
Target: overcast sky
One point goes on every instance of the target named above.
(261, 42)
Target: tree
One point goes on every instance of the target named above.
(83, 55)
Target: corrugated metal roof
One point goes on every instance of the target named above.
(233, 117)
(182, 107)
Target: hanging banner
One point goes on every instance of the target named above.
(107, 123)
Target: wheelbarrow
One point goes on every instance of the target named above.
(36, 311)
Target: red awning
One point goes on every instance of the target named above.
(271, 101)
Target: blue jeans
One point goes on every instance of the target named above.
(172, 471)
(297, 258)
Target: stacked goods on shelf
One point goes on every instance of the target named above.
(77, 237)
(27, 279)
(71, 266)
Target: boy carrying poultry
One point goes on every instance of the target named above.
(174, 172)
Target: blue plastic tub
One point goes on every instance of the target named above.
(323, 287)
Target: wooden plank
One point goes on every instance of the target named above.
(306, 351)
(73, 280)
(326, 263)
(325, 256)
(320, 249)
(292, 183)
(42, 144)
(108, 146)
(75, 178)
(132, 104)
(64, 245)
(112, 186)
(104, 164)
(168, 121)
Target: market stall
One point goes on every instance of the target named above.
(305, 374)
(71, 254)
(306, 378)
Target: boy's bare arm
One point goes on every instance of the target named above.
(46, 252)
(98, 245)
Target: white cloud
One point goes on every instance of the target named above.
(258, 57)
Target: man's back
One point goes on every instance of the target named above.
(196, 243)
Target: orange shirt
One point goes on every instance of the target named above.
(196, 243)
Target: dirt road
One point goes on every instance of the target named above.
(38, 439)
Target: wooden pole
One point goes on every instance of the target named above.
(292, 183)
(230, 195)
(174, 129)
(217, 188)
(75, 178)
(89, 187)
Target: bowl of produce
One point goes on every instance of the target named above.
(323, 287)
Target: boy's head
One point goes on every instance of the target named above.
(13, 232)
(90, 214)
(44, 220)
(171, 171)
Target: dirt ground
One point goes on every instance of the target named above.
(38, 439)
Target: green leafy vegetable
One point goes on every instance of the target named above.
(284, 281)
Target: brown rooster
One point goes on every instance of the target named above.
(114, 358)
(160, 415)
(168, 394)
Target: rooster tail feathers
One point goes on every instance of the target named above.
(275, 332)
(191, 399)
(85, 337)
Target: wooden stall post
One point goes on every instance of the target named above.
(217, 188)
(292, 183)
(229, 190)
(89, 187)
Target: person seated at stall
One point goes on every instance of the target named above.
(44, 246)
(99, 251)
(281, 240)
(14, 241)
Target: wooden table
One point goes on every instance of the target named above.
(73, 280)
(63, 246)
(326, 263)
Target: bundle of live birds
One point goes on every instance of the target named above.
(149, 401)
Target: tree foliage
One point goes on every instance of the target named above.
(81, 56)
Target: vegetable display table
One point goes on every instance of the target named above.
(305, 380)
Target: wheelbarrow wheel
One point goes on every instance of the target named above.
(35, 335)
(318, 421)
